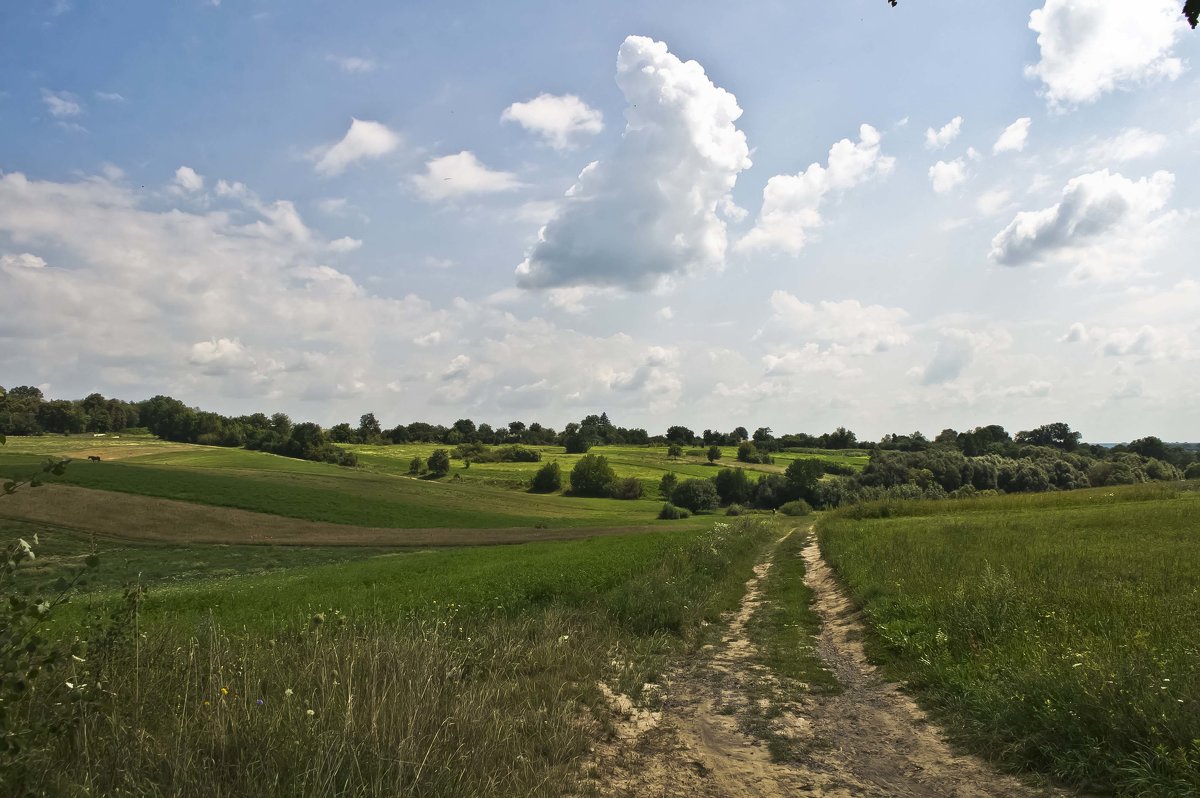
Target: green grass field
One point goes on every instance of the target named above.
(1058, 632)
(1053, 632)
(466, 672)
(506, 580)
(320, 492)
(377, 494)
(61, 550)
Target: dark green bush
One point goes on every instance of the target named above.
(592, 476)
(547, 479)
(697, 495)
(627, 488)
(667, 486)
(670, 512)
(733, 486)
(797, 507)
(439, 463)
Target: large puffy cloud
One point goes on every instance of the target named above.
(649, 211)
(1091, 47)
(364, 140)
(461, 175)
(232, 308)
(560, 121)
(792, 203)
(1102, 216)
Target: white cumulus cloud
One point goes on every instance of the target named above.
(460, 175)
(1092, 47)
(1102, 215)
(792, 203)
(24, 260)
(364, 140)
(1014, 136)
(316, 344)
(939, 139)
(187, 179)
(222, 356)
(648, 212)
(945, 175)
(344, 244)
(560, 120)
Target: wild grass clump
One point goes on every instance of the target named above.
(1054, 632)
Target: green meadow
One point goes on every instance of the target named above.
(463, 672)
(1057, 632)
(261, 597)
(380, 492)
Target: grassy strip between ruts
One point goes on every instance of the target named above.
(462, 673)
(785, 627)
(783, 630)
(1061, 636)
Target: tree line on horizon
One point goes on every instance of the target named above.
(895, 458)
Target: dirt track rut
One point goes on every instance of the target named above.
(869, 740)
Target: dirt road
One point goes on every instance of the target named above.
(868, 740)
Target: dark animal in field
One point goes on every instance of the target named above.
(95, 458)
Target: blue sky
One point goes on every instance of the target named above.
(1000, 226)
